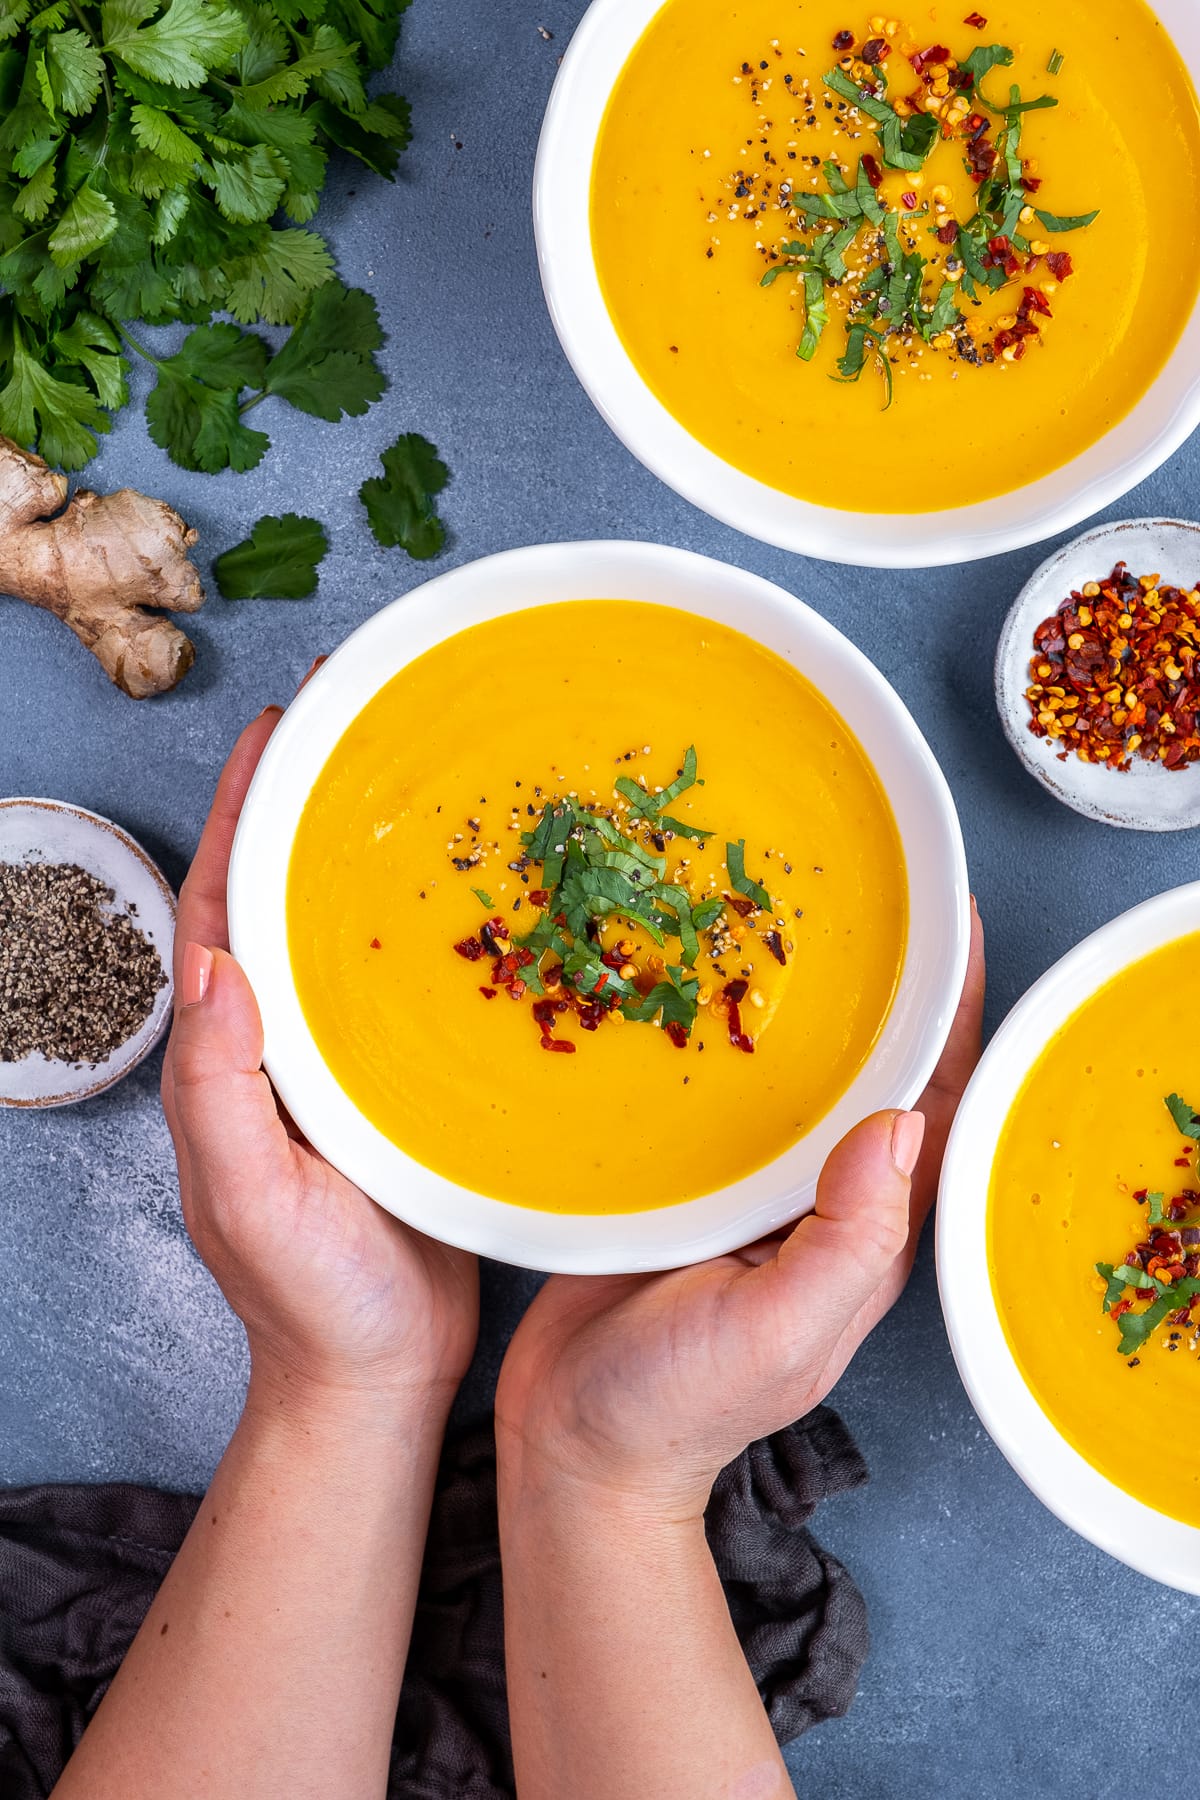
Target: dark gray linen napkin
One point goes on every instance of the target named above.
(79, 1567)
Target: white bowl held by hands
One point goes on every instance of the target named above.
(1062, 1479)
(1139, 443)
(935, 957)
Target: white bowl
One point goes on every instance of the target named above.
(1165, 416)
(931, 977)
(1061, 1478)
(1145, 797)
(35, 830)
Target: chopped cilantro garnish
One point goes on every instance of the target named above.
(1074, 222)
(816, 316)
(483, 899)
(735, 862)
(1057, 59)
(1185, 1116)
(1154, 1209)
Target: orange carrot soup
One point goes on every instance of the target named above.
(1094, 1230)
(907, 263)
(596, 907)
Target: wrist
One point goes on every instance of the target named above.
(563, 1476)
(398, 1409)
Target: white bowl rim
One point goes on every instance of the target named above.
(931, 978)
(1138, 444)
(1089, 1503)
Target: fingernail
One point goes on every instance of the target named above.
(317, 661)
(974, 906)
(278, 710)
(908, 1134)
(195, 974)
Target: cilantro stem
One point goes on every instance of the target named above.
(134, 345)
(254, 400)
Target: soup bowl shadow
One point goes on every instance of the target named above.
(1136, 445)
(912, 1037)
(1087, 1501)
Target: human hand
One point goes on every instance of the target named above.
(335, 1293)
(644, 1386)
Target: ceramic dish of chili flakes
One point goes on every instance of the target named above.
(1098, 674)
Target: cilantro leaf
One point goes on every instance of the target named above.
(277, 561)
(816, 316)
(327, 367)
(650, 806)
(190, 38)
(74, 71)
(400, 503)
(193, 411)
(1154, 1209)
(735, 862)
(87, 224)
(248, 187)
(1054, 222)
(62, 418)
(92, 344)
(1186, 1117)
(674, 998)
(273, 281)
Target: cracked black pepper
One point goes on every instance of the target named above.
(77, 979)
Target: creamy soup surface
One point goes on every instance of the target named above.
(1089, 1132)
(450, 763)
(721, 104)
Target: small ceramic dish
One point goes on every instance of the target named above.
(1139, 443)
(935, 957)
(1061, 1478)
(1144, 797)
(52, 831)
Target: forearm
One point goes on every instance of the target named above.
(625, 1676)
(270, 1662)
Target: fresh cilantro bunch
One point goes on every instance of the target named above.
(159, 163)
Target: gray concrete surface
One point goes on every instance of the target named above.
(1010, 1660)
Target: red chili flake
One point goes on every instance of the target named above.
(1059, 264)
(494, 932)
(1181, 1162)
(1031, 183)
(962, 79)
(590, 1015)
(488, 993)
(910, 201)
(872, 170)
(843, 40)
(375, 944)
(740, 906)
(734, 992)
(976, 19)
(538, 897)
(1122, 1306)
(1184, 1314)
(947, 234)
(876, 50)
(471, 948)
(921, 59)
(517, 990)
(774, 944)
(678, 1035)
(564, 1046)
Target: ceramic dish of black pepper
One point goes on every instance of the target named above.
(87, 923)
(1100, 654)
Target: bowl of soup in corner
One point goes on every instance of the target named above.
(897, 291)
(1068, 1238)
(591, 892)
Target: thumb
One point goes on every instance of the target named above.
(225, 1119)
(836, 1258)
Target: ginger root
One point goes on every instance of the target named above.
(98, 564)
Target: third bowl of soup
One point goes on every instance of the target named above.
(1069, 1238)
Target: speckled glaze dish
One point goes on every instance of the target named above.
(1144, 797)
(38, 831)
